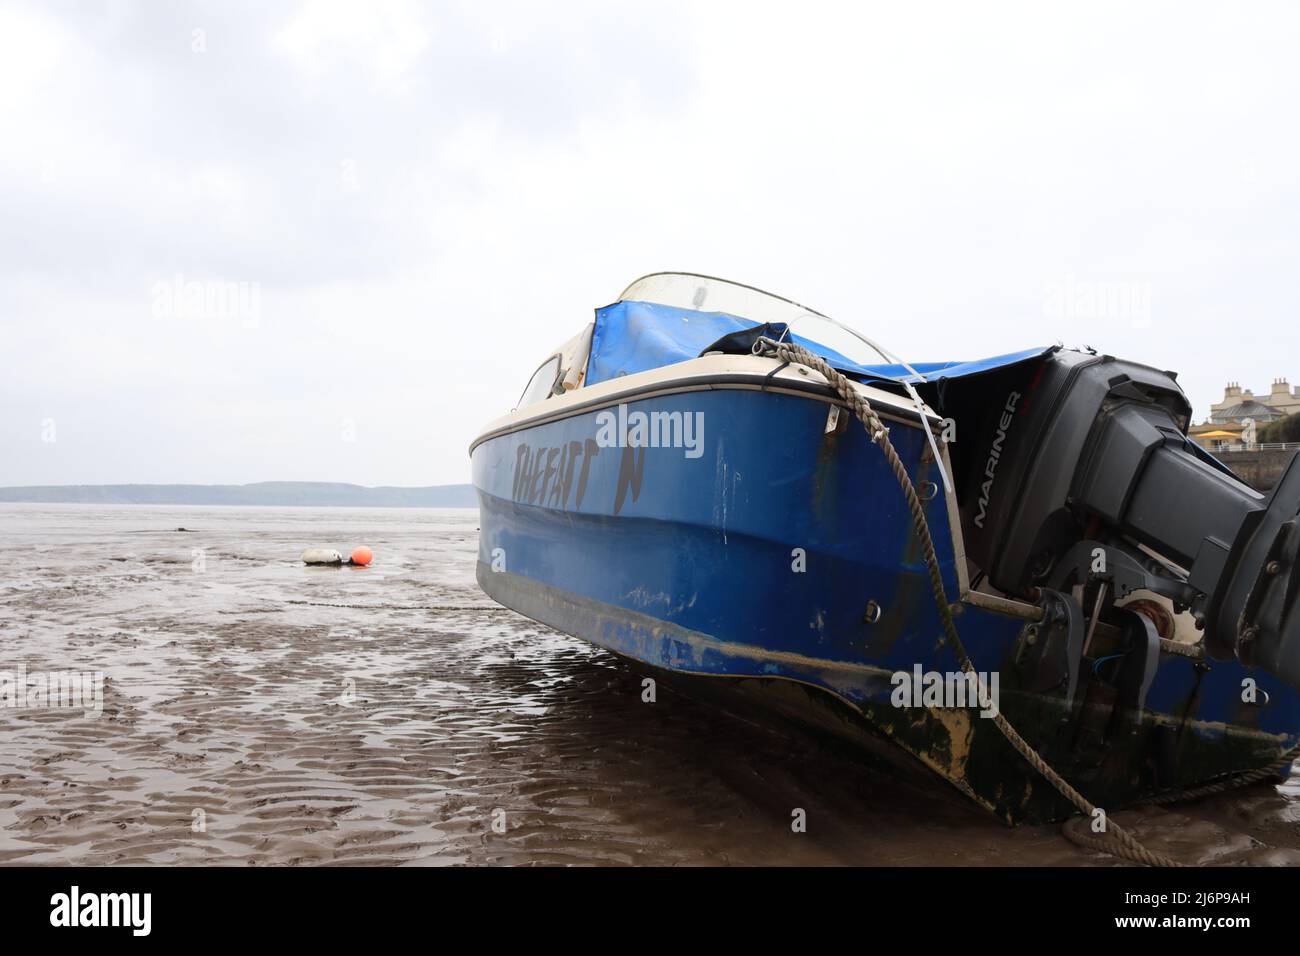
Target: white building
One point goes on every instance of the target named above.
(1239, 404)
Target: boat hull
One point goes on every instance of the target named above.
(762, 552)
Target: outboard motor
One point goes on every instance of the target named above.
(1084, 458)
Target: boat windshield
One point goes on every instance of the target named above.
(686, 290)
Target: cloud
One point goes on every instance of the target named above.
(427, 197)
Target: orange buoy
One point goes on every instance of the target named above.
(362, 556)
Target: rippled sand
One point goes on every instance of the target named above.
(400, 730)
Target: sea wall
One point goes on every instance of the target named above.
(1261, 468)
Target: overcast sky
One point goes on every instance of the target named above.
(414, 201)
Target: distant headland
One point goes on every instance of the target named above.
(312, 494)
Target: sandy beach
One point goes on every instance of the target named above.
(259, 712)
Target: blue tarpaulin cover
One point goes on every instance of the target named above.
(633, 337)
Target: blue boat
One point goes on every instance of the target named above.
(672, 489)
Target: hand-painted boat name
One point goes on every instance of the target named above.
(550, 476)
(546, 476)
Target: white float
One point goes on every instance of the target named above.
(321, 556)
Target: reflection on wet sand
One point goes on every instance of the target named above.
(247, 722)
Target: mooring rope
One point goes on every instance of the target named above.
(1118, 841)
(491, 609)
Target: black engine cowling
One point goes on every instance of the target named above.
(1075, 447)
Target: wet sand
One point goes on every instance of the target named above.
(401, 728)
